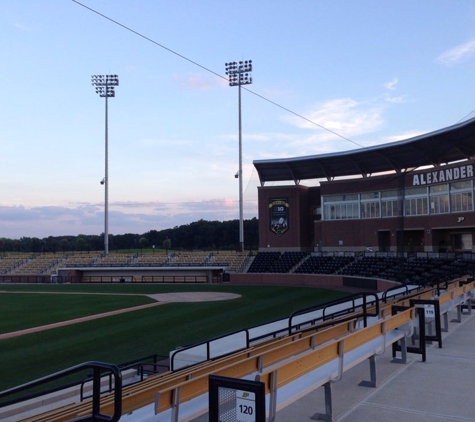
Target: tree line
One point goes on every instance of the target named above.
(199, 235)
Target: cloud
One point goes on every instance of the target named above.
(258, 137)
(19, 221)
(132, 69)
(278, 93)
(391, 85)
(398, 100)
(211, 204)
(198, 81)
(343, 116)
(124, 217)
(401, 136)
(160, 143)
(458, 54)
(137, 204)
(22, 27)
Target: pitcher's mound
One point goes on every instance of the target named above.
(194, 296)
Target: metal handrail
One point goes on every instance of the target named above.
(207, 343)
(397, 287)
(351, 298)
(137, 364)
(351, 309)
(97, 368)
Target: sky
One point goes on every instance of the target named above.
(360, 73)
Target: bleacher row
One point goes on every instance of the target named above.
(289, 363)
(415, 269)
(418, 269)
(48, 263)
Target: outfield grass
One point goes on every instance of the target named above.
(19, 311)
(124, 337)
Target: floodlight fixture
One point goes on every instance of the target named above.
(105, 88)
(239, 74)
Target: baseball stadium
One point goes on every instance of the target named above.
(357, 305)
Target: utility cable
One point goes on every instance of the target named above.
(465, 117)
(213, 72)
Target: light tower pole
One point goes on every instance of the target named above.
(239, 74)
(105, 88)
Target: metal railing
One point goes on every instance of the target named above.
(205, 349)
(99, 369)
(356, 302)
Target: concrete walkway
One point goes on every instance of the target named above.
(439, 390)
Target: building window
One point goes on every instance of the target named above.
(370, 210)
(341, 211)
(391, 194)
(438, 189)
(421, 200)
(462, 201)
(341, 198)
(465, 185)
(340, 207)
(416, 201)
(369, 195)
(391, 203)
(352, 210)
(439, 199)
(415, 206)
(391, 208)
(461, 196)
(416, 191)
(439, 204)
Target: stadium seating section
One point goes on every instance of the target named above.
(417, 268)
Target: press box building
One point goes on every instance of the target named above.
(407, 196)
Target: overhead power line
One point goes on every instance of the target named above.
(213, 72)
(466, 117)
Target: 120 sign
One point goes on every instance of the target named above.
(246, 410)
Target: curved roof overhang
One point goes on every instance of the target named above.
(447, 145)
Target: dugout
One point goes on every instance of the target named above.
(415, 195)
(177, 274)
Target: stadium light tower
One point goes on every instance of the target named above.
(239, 74)
(105, 88)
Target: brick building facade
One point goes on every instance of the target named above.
(430, 208)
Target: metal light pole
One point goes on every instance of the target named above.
(238, 73)
(105, 88)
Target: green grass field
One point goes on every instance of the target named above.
(124, 337)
